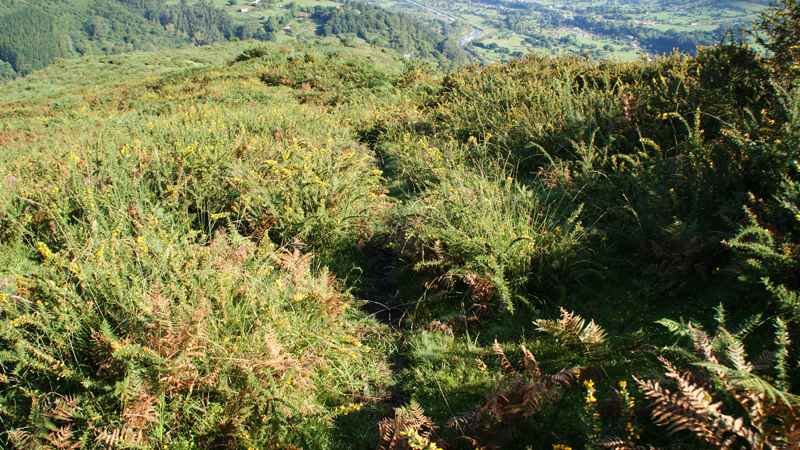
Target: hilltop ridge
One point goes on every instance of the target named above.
(320, 246)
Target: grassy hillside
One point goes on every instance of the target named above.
(325, 247)
(37, 34)
(239, 337)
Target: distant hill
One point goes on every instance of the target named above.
(33, 35)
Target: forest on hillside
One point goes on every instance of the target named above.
(378, 26)
(36, 34)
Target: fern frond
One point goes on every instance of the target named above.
(64, 409)
(62, 439)
(20, 438)
(680, 329)
(703, 344)
(574, 329)
(616, 444)
(736, 353)
(746, 328)
(720, 315)
(409, 422)
(505, 364)
(529, 363)
(788, 300)
(782, 342)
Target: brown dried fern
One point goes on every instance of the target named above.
(573, 329)
(409, 421)
(522, 393)
(690, 406)
(62, 439)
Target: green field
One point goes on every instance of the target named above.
(535, 25)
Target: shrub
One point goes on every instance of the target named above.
(159, 340)
(253, 53)
(495, 236)
(781, 23)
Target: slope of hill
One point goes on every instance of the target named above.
(37, 33)
(327, 247)
(450, 33)
(34, 34)
(500, 29)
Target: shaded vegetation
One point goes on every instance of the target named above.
(330, 247)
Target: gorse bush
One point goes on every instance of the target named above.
(662, 154)
(328, 79)
(217, 344)
(156, 293)
(779, 28)
(183, 242)
(524, 106)
(496, 237)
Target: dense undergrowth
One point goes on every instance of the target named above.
(295, 247)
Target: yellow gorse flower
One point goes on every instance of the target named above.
(348, 408)
(590, 391)
(44, 251)
(141, 245)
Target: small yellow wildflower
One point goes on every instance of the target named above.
(141, 245)
(44, 250)
(348, 408)
(74, 268)
(590, 391)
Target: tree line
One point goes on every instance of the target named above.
(36, 34)
(398, 31)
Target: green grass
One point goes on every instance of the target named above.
(267, 246)
(183, 207)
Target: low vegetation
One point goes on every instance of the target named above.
(326, 247)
